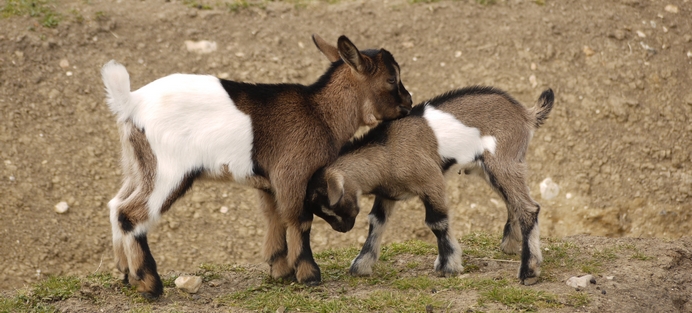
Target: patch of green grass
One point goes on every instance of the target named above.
(169, 281)
(412, 265)
(56, 288)
(414, 247)
(22, 303)
(482, 245)
(641, 256)
(237, 5)
(578, 299)
(607, 254)
(197, 5)
(486, 2)
(270, 296)
(519, 298)
(41, 294)
(42, 9)
(77, 16)
(422, 1)
(105, 280)
(539, 2)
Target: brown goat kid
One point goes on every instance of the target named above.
(269, 136)
(477, 129)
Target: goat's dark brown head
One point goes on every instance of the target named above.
(327, 199)
(378, 73)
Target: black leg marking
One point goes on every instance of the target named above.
(526, 229)
(305, 258)
(125, 223)
(444, 247)
(149, 267)
(508, 230)
(433, 217)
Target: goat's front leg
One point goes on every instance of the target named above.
(299, 252)
(378, 217)
(448, 261)
(275, 246)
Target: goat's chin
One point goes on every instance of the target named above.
(343, 227)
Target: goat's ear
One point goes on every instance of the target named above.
(335, 188)
(350, 54)
(328, 50)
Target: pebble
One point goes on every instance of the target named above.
(224, 209)
(61, 207)
(588, 51)
(532, 80)
(64, 63)
(610, 277)
(201, 47)
(579, 282)
(189, 284)
(671, 8)
(549, 189)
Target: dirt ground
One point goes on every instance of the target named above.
(618, 142)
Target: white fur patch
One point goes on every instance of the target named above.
(456, 140)
(191, 124)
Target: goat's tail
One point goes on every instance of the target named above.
(117, 82)
(543, 107)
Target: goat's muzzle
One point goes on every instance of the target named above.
(343, 225)
(404, 111)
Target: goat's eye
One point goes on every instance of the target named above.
(391, 81)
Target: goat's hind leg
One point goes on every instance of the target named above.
(275, 245)
(448, 261)
(118, 249)
(378, 217)
(522, 220)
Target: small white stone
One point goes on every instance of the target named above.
(641, 34)
(532, 80)
(568, 195)
(579, 282)
(61, 207)
(189, 284)
(689, 54)
(457, 54)
(361, 239)
(64, 63)
(671, 8)
(610, 277)
(224, 209)
(201, 47)
(549, 189)
(68, 73)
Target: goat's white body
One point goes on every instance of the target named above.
(456, 140)
(191, 124)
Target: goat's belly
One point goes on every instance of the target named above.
(192, 123)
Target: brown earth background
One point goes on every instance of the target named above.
(617, 142)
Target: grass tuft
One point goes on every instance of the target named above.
(41, 9)
(520, 298)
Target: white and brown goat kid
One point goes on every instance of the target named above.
(477, 129)
(269, 136)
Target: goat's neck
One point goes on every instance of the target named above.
(339, 107)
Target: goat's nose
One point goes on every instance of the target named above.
(404, 110)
